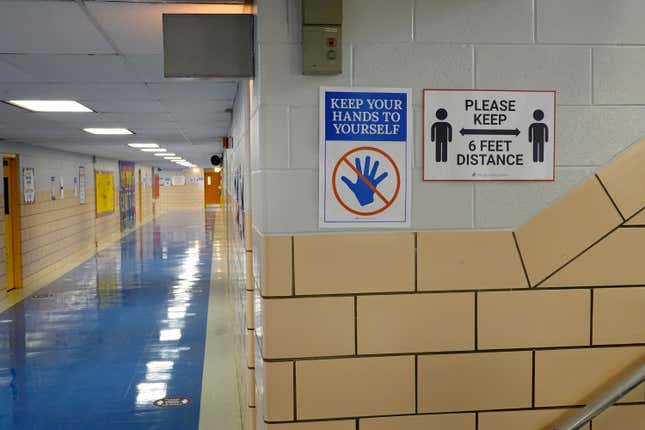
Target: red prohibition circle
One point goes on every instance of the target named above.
(344, 158)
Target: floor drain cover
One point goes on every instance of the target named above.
(42, 296)
(172, 402)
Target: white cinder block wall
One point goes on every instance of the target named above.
(591, 51)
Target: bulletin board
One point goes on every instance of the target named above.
(104, 192)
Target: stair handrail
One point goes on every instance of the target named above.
(605, 400)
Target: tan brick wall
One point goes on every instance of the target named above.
(490, 330)
(189, 196)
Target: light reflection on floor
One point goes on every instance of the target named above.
(95, 348)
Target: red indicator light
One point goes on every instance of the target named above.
(331, 42)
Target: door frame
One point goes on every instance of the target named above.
(14, 213)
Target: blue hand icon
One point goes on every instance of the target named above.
(363, 192)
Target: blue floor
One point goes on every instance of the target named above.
(94, 349)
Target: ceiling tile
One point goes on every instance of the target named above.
(48, 27)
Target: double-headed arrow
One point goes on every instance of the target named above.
(465, 131)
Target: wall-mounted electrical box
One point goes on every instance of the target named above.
(322, 37)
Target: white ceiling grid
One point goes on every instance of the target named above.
(53, 50)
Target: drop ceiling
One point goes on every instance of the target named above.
(108, 56)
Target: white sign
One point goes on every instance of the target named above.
(29, 185)
(365, 157)
(178, 180)
(486, 135)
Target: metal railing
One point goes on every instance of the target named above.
(605, 400)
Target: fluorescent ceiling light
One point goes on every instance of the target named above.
(50, 105)
(153, 150)
(172, 158)
(143, 145)
(108, 131)
(165, 154)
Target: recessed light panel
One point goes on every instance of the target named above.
(165, 154)
(143, 145)
(153, 150)
(108, 131)
(50, 105)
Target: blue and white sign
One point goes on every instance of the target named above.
(365, 157)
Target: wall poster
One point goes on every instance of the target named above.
(82, 182)
(488, 135)
(127, 205)
(104, 185)
(29, 185)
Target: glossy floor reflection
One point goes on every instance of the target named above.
(95, 348)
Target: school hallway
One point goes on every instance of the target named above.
(97, 347)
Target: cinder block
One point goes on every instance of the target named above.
(281, 79)
(455, 210)
(416, 323)
(250, 348)
(276, 265)
(469, 260)
(505, 205)
(313, 425)
(576, 376)
(479, 22)
(273, 146)
(250, 391)
(564, 69)
(377, 21)
(526, 420)
(594, 135)
(626, 417)
(278, 391)
(624, 178)
(616, 260)
(282, 188)
(581, 21)
(638, 219)
(354, 263)
(311, 327)
(565, 229)
(619, 315)
(421, 422)
(250, 309)
(533, 319)
(617, 75)
(355, 387)
(303, 137)
(477, 381)
(398, 66)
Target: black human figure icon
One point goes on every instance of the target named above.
(538, 135)
(441, 133)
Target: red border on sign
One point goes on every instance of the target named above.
(344, 158)
(423, 135)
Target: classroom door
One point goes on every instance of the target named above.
(212, 188)
(11, 199)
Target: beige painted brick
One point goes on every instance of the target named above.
(278, 391)
(525, 420)
(628, 417)
(276, 266)
(416, 323)
(250, 348)
(476, 381)
(248, 265)
(616, 260)
(250, 309)
(533, 319)
(576, 376)
(355, 387)
(565, 229)
(354, 263)
(638, 219)
(619, 315)
(250, 389)
(308, 327)
(320, 425)
(471, 260)
(624, 178)
(421, 422)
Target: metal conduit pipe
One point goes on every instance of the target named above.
(606, 400)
